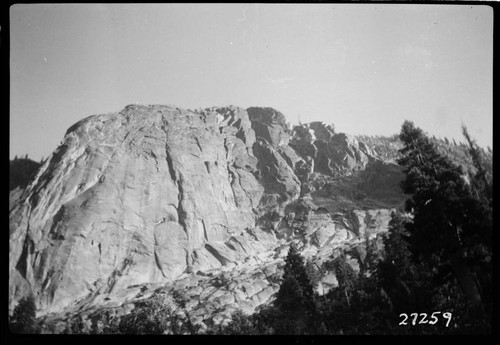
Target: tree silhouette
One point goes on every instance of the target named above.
(23, 317)
(295, 298)
(448, 224)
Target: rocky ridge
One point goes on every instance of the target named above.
(156, 198)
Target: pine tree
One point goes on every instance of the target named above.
(313, 273)
(295, 299)
(397, 247)
(295, 266)
(478, 229)
(442, 206)
(372, 255)
(291, 302)
(23, 317)
(356, 306)
(481, 177)
(345, 276)
(404, 280)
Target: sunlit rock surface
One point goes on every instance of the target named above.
(156, 198)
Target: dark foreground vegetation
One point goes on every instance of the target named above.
(21, 172)
(436, 267)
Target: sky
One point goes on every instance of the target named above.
(365, 68)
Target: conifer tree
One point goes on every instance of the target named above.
(481, 178)
(23, 317)
(396, 246)
(479, 225)
(442, 231)
(290, 301)
(405, 281)
(295, 267)
(295, 299)
(345, 276)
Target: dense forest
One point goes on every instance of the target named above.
(434, 275)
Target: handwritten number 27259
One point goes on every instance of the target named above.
(423, 318)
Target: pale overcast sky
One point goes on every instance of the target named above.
(365, 68)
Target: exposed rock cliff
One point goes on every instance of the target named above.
(330, 153)
(155, 197)
(139, 196)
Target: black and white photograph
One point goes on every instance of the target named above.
(305, 169)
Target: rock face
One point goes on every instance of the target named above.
(332, 153)
(139, 196)
(269, 125)
(157, 196)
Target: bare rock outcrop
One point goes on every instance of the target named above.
(155, 199)
(138, 196)
(328, 152)
(270, 125)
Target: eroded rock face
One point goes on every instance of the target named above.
(328, 152)
(270, 125)
(347, 154)
(157, 198)
(213, 295)
(276, 174)
(137, 196)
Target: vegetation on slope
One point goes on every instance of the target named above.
(21, 171)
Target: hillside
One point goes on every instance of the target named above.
(137, 204)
